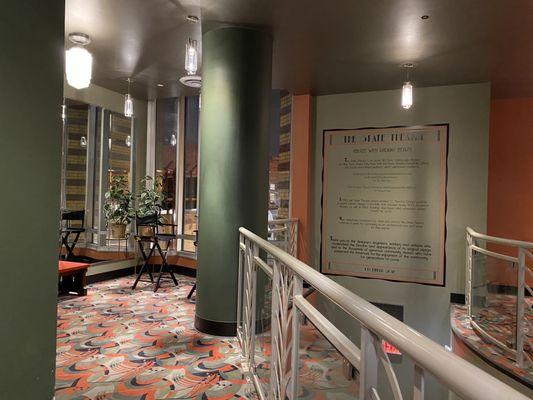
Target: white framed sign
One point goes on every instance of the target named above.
(384, 203)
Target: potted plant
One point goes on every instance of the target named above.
(148, 202)
(118, 208)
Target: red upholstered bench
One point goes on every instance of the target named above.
(72, 277)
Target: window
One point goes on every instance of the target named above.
(97, 145)
(190, 170)
(166, 152)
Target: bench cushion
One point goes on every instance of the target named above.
(66, 267)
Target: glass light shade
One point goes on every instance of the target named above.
(173, 140)
(128, 141)
(78, 67)
(128, 106)
(407, 95)
(191, 58)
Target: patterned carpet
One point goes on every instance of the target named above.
(498, 318)
(116, 343)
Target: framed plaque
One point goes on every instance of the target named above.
(384, 203)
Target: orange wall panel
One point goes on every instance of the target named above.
(510, 188)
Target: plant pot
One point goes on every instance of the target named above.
(117, 231)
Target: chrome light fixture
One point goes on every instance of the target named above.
(78, 62)
(191, 57)
(407, 88)
(83, 141)
(128, 102)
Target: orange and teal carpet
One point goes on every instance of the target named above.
(116, 343)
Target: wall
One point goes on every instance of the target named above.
(31, 38)
(510, 214)
(466, 109)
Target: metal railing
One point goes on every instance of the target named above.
(284, 234)
(288, 306)
(476, 244)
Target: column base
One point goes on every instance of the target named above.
(215, 328)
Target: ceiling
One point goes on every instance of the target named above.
(320, 47)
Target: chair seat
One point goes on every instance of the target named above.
(165, 237)
(72, 230)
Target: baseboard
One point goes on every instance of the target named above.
(109, 275)
(119, 273)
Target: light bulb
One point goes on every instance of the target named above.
(128, 141)
(173, 140)
(128, 105)
(407, 95)
(78, 67)
(191, 57)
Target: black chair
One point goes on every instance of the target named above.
(193, 289)
(72, 223)
(152, 233)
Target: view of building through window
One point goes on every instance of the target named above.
(190, 170)
(166, 152)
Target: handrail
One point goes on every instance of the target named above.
(452, 371)
(494, 239)
(524, 249)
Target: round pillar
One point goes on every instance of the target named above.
(233, 192)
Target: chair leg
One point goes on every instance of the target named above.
(193, 289)
(158, 282)
(144, 267)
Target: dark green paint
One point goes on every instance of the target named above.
(31, 67)
(237, 69)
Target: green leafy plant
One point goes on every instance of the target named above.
(149, 199)
(118, 207)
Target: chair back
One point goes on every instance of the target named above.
(147, 225)
(72, 216)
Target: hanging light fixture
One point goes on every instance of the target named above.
(191, 57)
(128, 102)
(78, 62)
(407, 88)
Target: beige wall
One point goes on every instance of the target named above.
(466, 109)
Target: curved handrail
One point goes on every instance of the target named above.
(494, 239)
(455, 373)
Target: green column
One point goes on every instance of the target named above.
(32, 40)
(236, 71)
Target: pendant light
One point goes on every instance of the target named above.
(78, 62)
(407, 88)
(191, 57)
(128, 102)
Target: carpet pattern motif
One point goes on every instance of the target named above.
(116, 343)
(498, 318)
